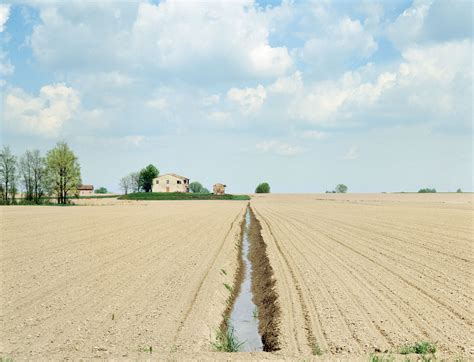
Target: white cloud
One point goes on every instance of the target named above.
(191, 40)
(428, 22)
(288, 85)
(432, 83)
(408, 26)
(279, 148)
(158, 103)
(249, 99)
(343, 42)
(352, 153)
(210, 100)
(219, 116)
(45, 114)
(4, 15)
(313, 134)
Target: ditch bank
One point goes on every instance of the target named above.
(263, 287)
(251, 320)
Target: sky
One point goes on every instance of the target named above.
(301, 94)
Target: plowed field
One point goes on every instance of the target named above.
(357, 274)
(100, 281)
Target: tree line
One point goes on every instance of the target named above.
(57, 174)
(140, 181)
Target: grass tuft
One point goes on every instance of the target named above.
(378, 358)
(316, 350)
(419, 348)
(145, 349)
(229, 288)
(226, 341)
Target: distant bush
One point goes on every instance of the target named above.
(459, 191)
(341, 189)
(427, 191)
(263, 188)
(196, 187)
(101, 190)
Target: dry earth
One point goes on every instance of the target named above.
(354, 274)
(362, 273)
(103, 281)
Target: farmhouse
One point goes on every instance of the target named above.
(170, 183)
(85, 190)
(219, 189)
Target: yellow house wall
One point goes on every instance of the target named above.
(173, 184)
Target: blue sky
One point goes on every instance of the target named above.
(302, 94)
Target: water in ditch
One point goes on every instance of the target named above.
(244, 316)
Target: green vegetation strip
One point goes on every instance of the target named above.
(180, 196)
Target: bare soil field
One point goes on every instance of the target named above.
(113, 281)
(358, 274)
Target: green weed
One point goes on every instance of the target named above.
(419, 348)
(226, 341)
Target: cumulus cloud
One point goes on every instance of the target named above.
(4, 15)
(45, 114)
(343, 43)
(427, 21)
(249, 99)
(192, 40)
(432, 83)
(278, 148)
(288, 85)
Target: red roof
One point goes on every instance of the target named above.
(85, 187)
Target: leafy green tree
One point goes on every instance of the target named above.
(196, 187)
(459, 191)
(205, 191)
(341, 189)
(101, 190)
(8, 173)
(63, 172)
(146, 176)
(427, 191)
(263, 188)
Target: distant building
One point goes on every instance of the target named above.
(85, 190)
(219, 189)
(170, 183)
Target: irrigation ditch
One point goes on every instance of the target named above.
(251, 319)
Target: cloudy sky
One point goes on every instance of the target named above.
(302, 94)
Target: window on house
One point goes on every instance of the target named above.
(167, 182)
(179, 182)
(157, 182)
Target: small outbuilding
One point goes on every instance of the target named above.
(170, 182)
(219, 189)
(85, 190)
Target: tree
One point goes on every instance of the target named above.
(459, 191)
(205, 191)
(32, 171)
(427, 191)
(146, 177)
(341, 189)
(63, 172)
(263, 188)
(196, 187)
(8, 168)
(126, 184)
(101, 190)
(134, 181)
